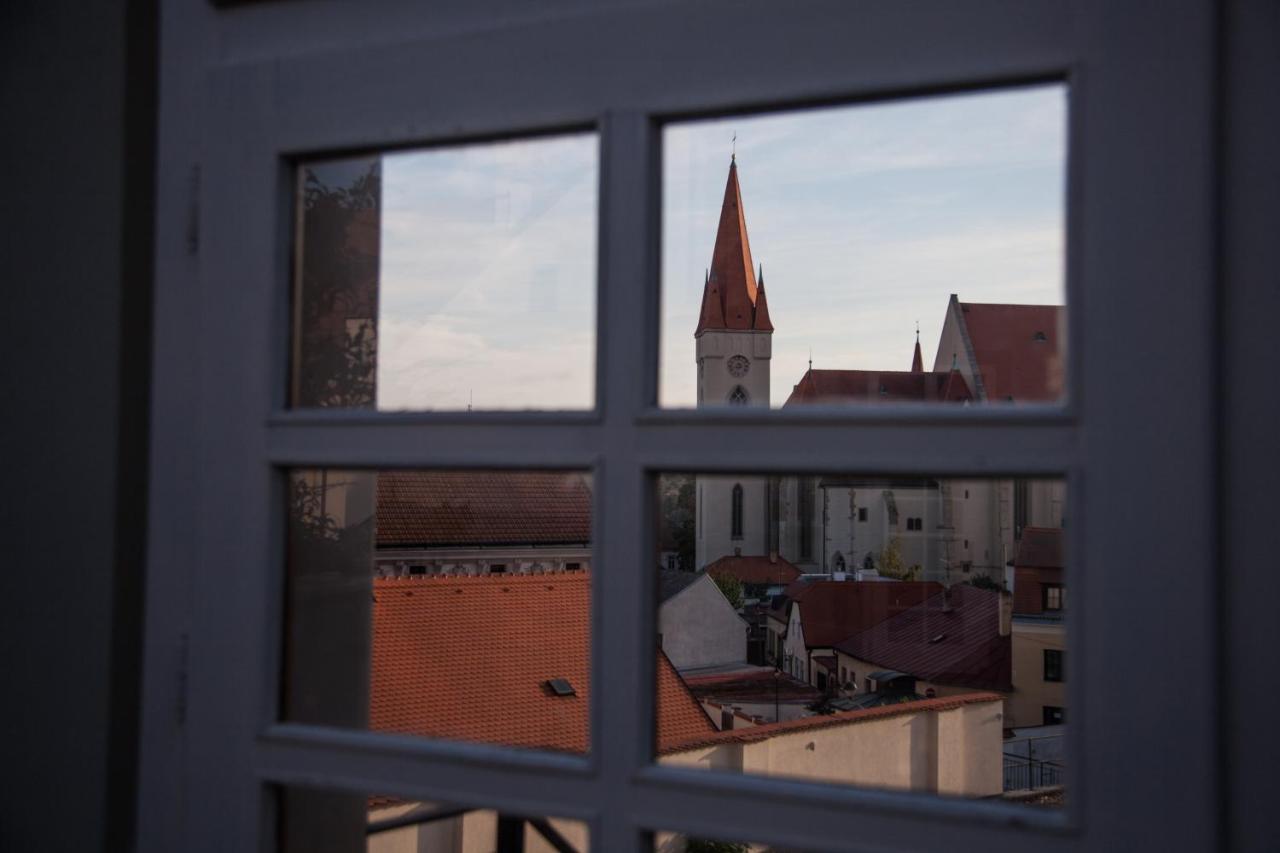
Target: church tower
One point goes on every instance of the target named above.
(734, 341)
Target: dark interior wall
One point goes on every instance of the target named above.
(77, 92)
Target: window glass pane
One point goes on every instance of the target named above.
(870, 631)
(446, 604)
(339, 822)
(448, 278)
(913, 252)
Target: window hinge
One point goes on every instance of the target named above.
(180, 708)
(193, 210)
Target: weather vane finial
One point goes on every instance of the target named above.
(733, 150)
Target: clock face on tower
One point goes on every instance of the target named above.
(738, 365)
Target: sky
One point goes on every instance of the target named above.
(866, 218)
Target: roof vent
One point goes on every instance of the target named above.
(560, 687)
(1039, 336)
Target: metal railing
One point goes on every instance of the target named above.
(1022, 773)
(511, 829)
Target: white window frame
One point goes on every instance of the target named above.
(246, 91)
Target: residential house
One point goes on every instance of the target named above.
(812, 617)
(1039, 635)
(697, 626)
(953, 642)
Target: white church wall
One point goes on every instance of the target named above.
(714, 524)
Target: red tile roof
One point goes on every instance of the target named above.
(468, 658)
(755, 569)
(832, 610)
(954, 642)
(1040, 548)
(753, 686)
(438, 508)
(1018, 349)
(879, 386)
(730, 295)
(754, 734)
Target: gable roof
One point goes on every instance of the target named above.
(439, 508)
(1018, 348)
(830, 611)
(755, 570)
(731, 297)
(468, 658)
(879, 386)
(951, 640)
(672, 582)
(1040, 548)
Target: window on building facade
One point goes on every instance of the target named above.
(1053, 664)
(735, 522)
(1054, 596)
(1054, 716)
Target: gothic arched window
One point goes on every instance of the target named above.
(738, 396)
(838, 563)
(736, 517)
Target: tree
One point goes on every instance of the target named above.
(985, 582)
(731, 587)
(678, 506)
(892, 565)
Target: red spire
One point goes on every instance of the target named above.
(732, 282)
(917, 363)
(760, 322)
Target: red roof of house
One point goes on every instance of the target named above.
(1040, 548)
(832, 610)
(1018, 349)
(468, 658)
(952, 640)
(755, 569)
(879, 386)
(437, 508)
(758, 685)
(753, 734)
(731, 296)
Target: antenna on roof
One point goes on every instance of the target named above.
(810, 358)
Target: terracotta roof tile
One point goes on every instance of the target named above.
(879, 386)
(1040, 548)
(954, 642)
(755, 569)
(830, 611)
(437, 508)
(1018, 349)
(468, 658)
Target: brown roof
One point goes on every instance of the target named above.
(952, 640)
(755, 569)
(730, 294)
(879, 386)
(917, 360)
(1018, 349)
(752, 686)
(830, 611)
(438, 508)
(753, 734)
(1040, 548)
(468, 658)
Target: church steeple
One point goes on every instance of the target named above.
(731, 294)
(917, 362)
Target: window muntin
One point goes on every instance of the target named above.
(455, 278)
(941, 218)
